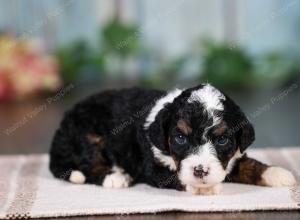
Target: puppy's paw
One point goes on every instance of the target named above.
(116, 180)
(277, 176)
(191, 189)
(209, 190)
(77, 177)
(212, 190)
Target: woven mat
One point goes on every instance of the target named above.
(27, 189)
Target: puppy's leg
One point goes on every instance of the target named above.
(117, 179)
(206, 190)
(86, 162)
(103, 169)
(250, 171)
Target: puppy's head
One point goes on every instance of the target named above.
(199, 133)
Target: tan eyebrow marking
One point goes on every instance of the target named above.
(95, 139)
(221, 128)
(184, 127)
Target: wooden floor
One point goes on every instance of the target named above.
(34, 133)
(199, 216)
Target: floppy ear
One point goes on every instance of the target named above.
(245, 135)
(158, 130)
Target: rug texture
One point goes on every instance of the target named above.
(27, 189)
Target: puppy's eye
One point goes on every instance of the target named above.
(222, 140)
(180, 139)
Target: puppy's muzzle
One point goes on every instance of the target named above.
(199, 171)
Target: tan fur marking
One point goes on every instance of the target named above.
(221, 128)
(100, 165)
(249, 171)
(184, 127)
(95, 139)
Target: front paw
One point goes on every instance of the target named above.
(117, 180)
(277, 176)
(205, 190)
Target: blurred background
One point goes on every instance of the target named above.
(56, 52)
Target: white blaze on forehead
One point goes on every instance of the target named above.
(159, 105)
(209, 96)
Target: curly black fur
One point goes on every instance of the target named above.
(108, 129)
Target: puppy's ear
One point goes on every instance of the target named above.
(158, 130)
(245, 135)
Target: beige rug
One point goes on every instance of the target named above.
(27, 189)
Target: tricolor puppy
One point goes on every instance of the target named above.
(190, 140)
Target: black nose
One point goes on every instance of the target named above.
(199, 172)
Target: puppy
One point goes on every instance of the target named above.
(190, 140)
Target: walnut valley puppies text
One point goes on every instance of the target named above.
(38, 110)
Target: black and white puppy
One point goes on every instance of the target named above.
(190, 140)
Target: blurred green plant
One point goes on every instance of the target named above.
(233, 67)
(78, 60)
(224, 66)
(165, 75)
(276, 68)
(220, 65)
(121, 46)
(120, 39)
(117, 43)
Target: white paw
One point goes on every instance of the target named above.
(77, 177)
(191, 189)
(277, 176)
(116, 180)
(207, 190)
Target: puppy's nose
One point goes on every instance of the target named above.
(199, 172)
